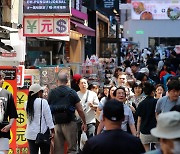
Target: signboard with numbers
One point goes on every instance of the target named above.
(35, 26)
(46, 6)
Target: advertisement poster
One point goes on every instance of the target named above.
(152, 10)
(10, 84)
(22, 95)
(46, 26)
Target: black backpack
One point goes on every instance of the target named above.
(62, 109)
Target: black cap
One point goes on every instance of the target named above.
(135, 64)
(113, 110)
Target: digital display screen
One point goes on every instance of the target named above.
(46, 6)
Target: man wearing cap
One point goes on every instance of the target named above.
(166, 103)
(168, 132)
(135, 68)
(113, 139)
(7, 111)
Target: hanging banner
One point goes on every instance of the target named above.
(151, 10)
(46, 6)
(10, 84)
(22, 96)
(36, 26)
(20, 75)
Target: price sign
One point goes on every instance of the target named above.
(46, 26)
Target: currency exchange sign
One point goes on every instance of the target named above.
(46, 6)
(35, 26)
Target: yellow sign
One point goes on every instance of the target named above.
(11, 134)
(22, 118)
(20, 136)
(8, 87)
(21, 99)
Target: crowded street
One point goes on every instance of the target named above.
(89, 77)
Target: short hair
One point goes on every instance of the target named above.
(116, 71)
(148, 88)
(173, 84)
(114, 93)
(81, 79)
(63, 77)
(137, 84)
(159, 85)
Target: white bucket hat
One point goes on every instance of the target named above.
(35, 88)
(144, 70)
(168, 125)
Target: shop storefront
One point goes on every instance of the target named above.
(153, 23)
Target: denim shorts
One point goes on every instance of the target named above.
(4, 144)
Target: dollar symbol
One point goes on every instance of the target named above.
(62, 28)
(20, 118)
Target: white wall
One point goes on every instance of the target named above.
(151, 28)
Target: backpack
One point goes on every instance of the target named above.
(62, 109)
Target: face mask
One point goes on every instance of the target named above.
(176, 149)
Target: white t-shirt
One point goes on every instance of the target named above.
(33, 128)
(93, 98)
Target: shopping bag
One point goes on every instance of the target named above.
(83, 140)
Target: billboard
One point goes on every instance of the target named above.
(151, 10)
(46, 6)
(37, 26)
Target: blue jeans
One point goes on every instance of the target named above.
(34, 148)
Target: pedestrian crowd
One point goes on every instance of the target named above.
(137, 111)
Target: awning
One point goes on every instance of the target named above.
(55, 38)
(83, 29)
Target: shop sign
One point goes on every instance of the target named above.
(10, 85)
(143, 10)
(108, 6)
(5, 53)
(20, 75)
(37, 26)
(46, 6)
(22, 96)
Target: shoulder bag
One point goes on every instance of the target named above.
(42, 138)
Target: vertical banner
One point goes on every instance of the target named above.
(22, 95)
(20, 75)
(10, 84)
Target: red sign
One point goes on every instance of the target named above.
(5, 53)
(10, 84)
(35, 26)
(20, 76)
(22, 96)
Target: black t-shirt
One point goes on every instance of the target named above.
(63, 91)
(113, 142)
(146, 110)
(7, 109)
